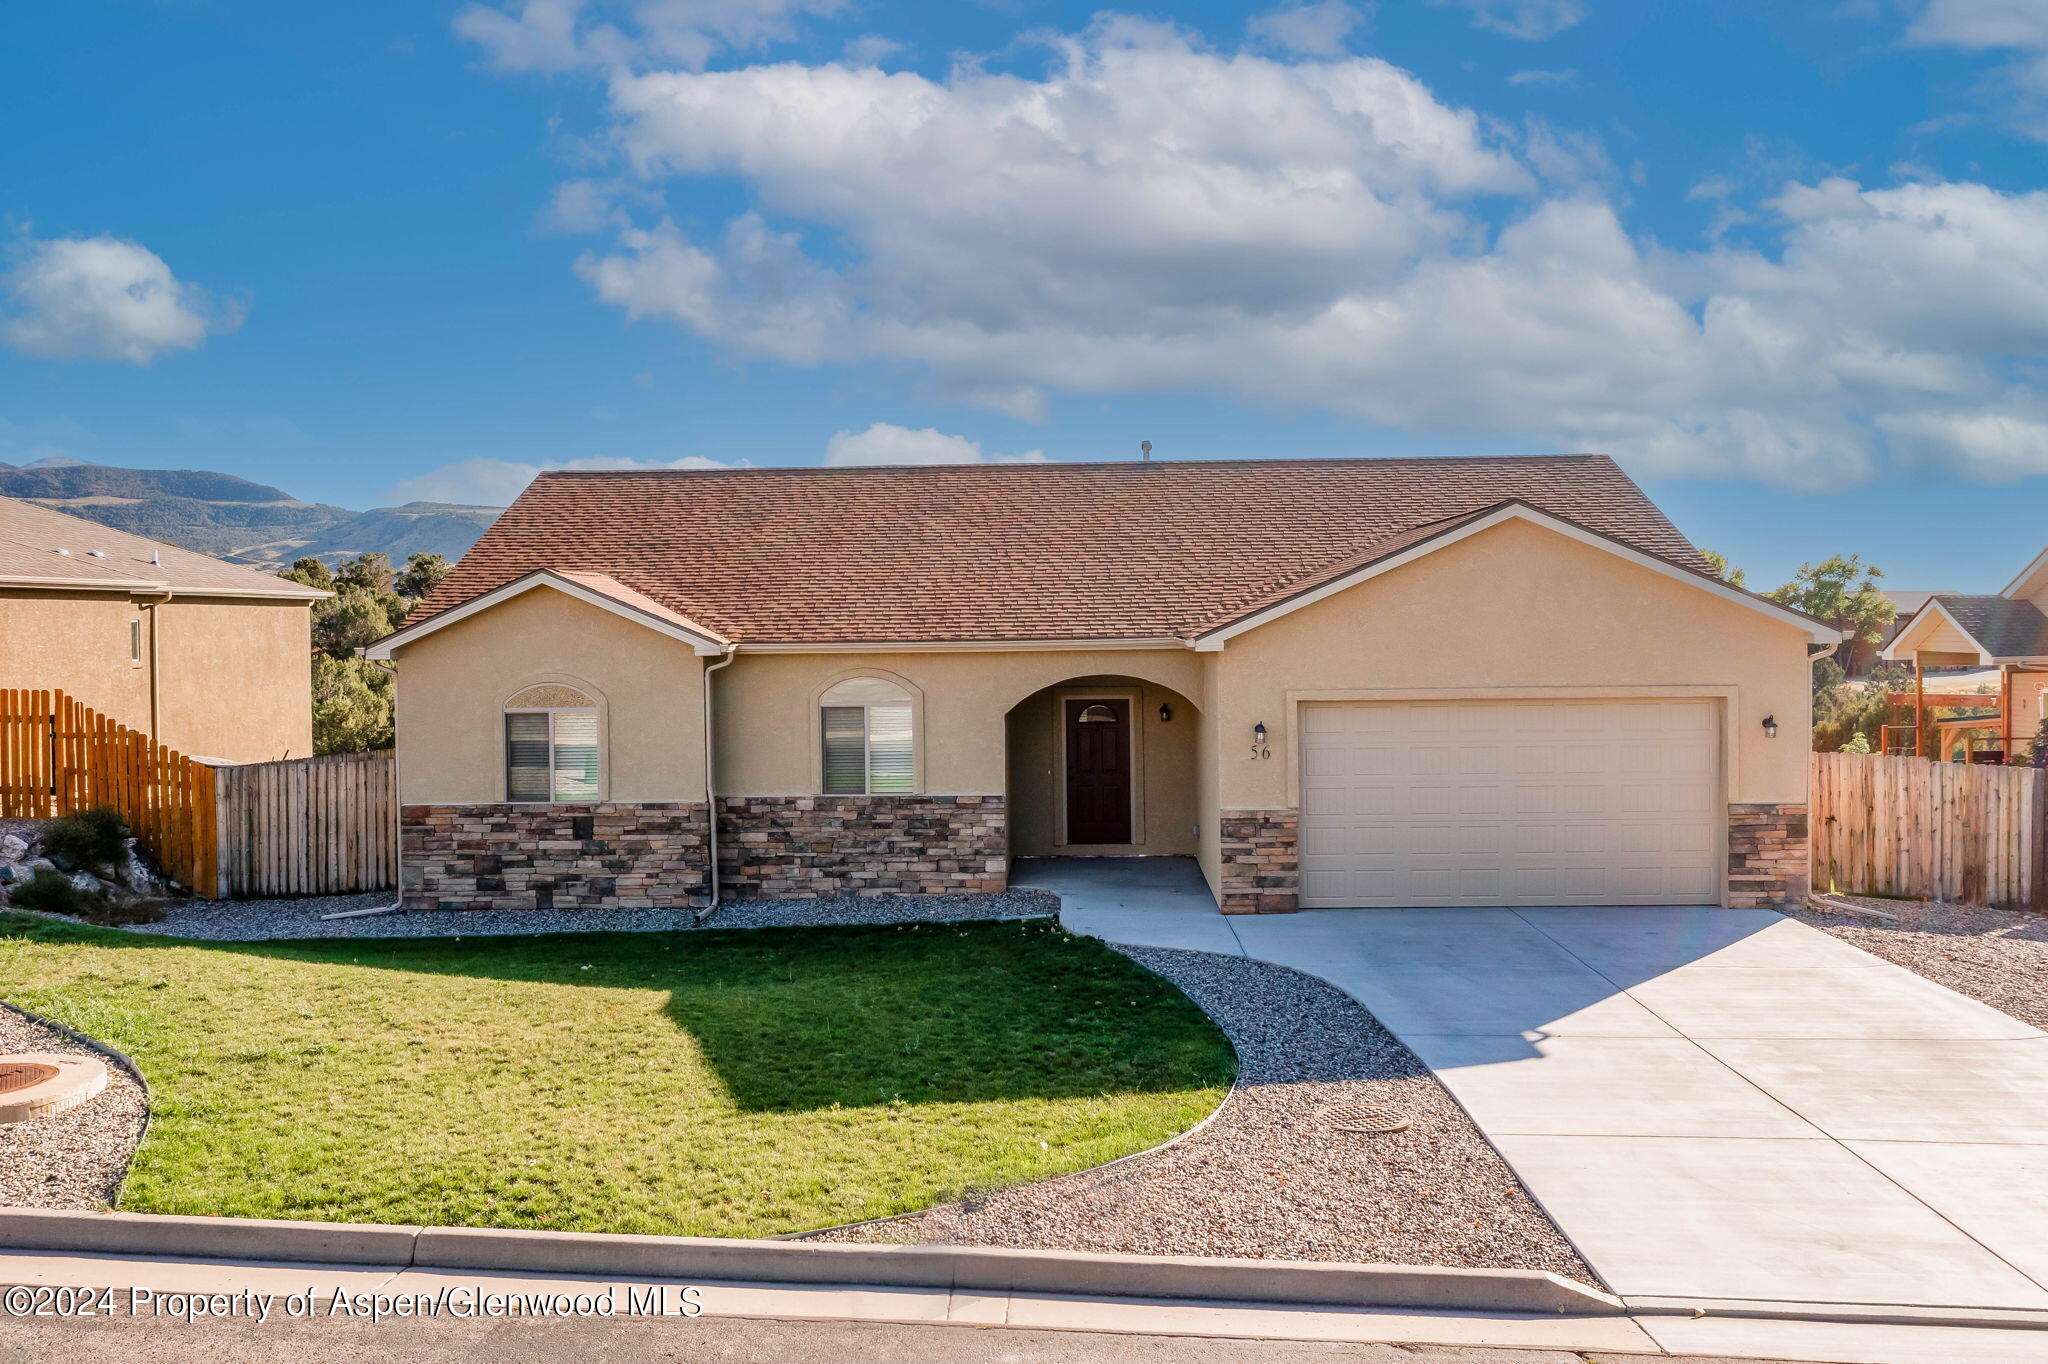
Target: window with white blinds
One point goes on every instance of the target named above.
(866, 729)
(551, 755)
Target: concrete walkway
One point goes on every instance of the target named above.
(1718, 1106)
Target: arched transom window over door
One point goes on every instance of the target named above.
(868, 745)
(551, 745)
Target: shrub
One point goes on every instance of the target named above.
(90, 838)
(52, 893)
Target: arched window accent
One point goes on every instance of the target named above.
(551, 745)
(867, 727)
(1096, 715)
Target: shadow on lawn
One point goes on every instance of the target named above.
(795, 1020)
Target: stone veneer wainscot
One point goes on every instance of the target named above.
(1767, 855)
(798, 847)
(1260, 857)
(611, 855)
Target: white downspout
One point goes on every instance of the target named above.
(710, 781)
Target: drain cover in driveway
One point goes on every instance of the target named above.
(1363, 1118)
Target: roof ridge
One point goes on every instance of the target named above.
(1022, 466)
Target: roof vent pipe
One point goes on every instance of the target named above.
(1145, 449)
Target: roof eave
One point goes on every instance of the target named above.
(1818, 631)
(702, 641)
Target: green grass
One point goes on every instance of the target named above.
(707, 1084)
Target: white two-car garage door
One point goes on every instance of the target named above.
(1510, 803)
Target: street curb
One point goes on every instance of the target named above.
(217, 1238)
(964, 1268)
(1843, 1313)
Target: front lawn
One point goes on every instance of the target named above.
(707, 1084)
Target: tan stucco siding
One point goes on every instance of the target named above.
(234, 676)
(1515, 610)
(767, 721)
(453, 684)
(1167, 804)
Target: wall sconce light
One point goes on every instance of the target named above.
(1259, 749)
(1770, 726)
(1165, 713)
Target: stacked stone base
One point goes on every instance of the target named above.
(818, 847)
(598, 856)
(1767, 855)
(620, 855)
(1260, 861)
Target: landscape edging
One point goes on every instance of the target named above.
(973, 1268)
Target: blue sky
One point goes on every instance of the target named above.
(1788, 262)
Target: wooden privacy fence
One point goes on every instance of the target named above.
(58, 756)
(308, 826)
(1915, 828)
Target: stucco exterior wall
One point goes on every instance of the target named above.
(1516, 610)
(453, 684)
(767, 722)
(234, 675)
(1166, 762)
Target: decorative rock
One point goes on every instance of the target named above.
(13, 848)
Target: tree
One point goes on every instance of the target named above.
(423, 573)
(1719, 564)
(1842, 591)
(352, 710)
(371, 572)
(311, 572)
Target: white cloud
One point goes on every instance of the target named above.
(1993, 446)
(561, 35)
(496, 482)
(2017, 27)
(103, 298)
(1151, 215)
(870, 49)
(1317, 28)
(1530, 20)
(887, 443)
(1544, 78)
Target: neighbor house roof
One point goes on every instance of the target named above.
(1131, 551)
(2000, 627)
(43, 548)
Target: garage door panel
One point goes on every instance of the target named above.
(1510, 803)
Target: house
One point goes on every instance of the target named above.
(209, 658)
(1333, 682)
(2006, 634)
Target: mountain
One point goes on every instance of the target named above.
(233, 518)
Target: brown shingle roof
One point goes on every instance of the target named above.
(31, 538)
(1018, 551)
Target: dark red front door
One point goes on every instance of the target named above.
(1098, 771)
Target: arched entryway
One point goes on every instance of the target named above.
(1103, 766)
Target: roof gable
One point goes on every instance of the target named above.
(1428, 540)
(1014, 554)
(1997, 628)
(595, 589)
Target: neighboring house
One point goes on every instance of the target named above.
(2007, 632)
(1334, 682)
(211, 659)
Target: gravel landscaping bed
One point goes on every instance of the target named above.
(253, 920)
(76, 1159)
(1996, 956)
(1267, 1177)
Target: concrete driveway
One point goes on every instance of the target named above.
(1713, 1104)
